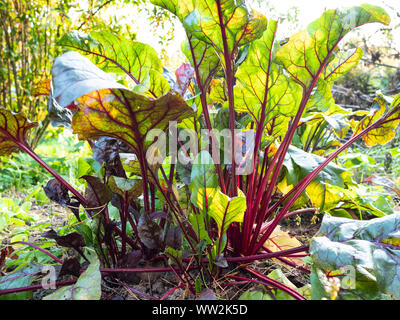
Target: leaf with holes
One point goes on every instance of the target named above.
(106, 108)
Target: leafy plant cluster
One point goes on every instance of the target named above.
(142, 204)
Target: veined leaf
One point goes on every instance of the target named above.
(14, 129)
(262, 84)
(299, 163)
(88, 286)
(369, 247)
(203, 57)
(307, 52)
(106, 108)
(180, 8)
(122, 186)
(114, 54)
(223, 209)
(240, 27)
(342, 63)
(387, 130)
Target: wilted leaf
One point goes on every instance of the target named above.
(370, 248)
(57, 192)
(14, 129)
(88, 286)
(207, 294)
(220, 261)
(150, 233)
(129, 261)
(184, 75)
(71, 240)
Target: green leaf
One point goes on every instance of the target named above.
(255, 295)
(203, 57)
(203, 176)
(18, 279)
(342, 63)
(180, 8)
(299, 163)
(307, 52)
(122, 186)
(14, 129)
(370, 248)
(223, 209)
(262, 84)
(88, 286)
(114, 54)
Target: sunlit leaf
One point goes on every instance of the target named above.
(106, 108)
(281, 240)
(223, 209)
(14, 129)
(132, 188)
(387, 130)
(203, 57)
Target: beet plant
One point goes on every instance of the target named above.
(202, 167)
